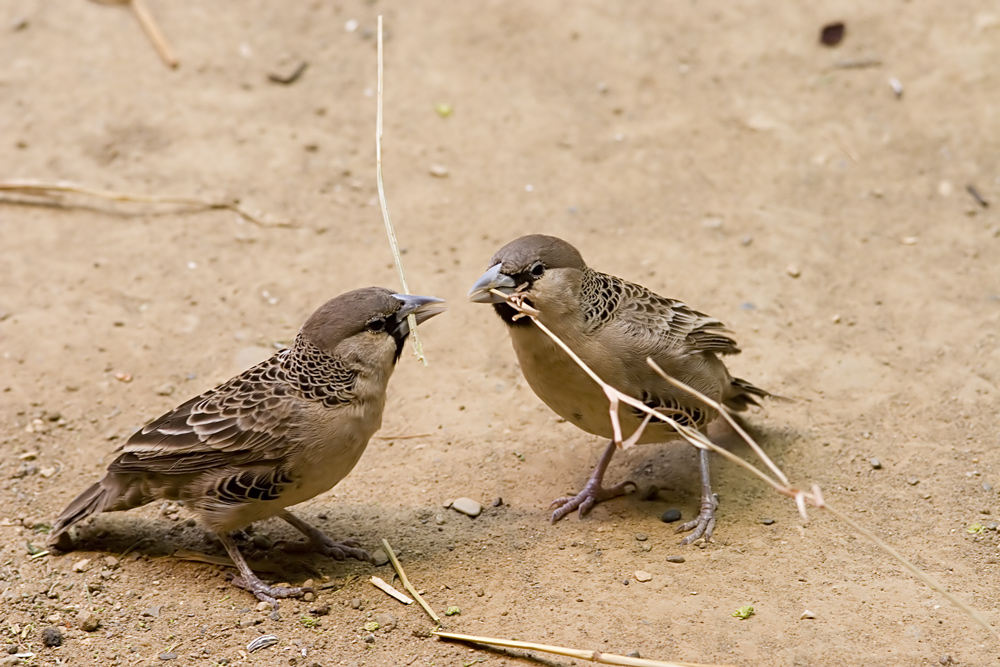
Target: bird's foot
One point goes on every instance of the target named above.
(266, 593)
(703, 525)
(590, 495)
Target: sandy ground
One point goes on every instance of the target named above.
(714, 152)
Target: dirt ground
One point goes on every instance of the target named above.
(715, 152)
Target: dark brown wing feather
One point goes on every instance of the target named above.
(665, 323)
(247, 419)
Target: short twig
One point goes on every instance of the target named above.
(380, 584)
(51, 189)
(154, 33)
(579, 654)
(406, 582)
(390, 232)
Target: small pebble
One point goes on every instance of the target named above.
(987, 486)
(641, 537)
(322, 610)
(671, 515)
(81, 565)
(498, 502)
(946, 660)
(168, 656)
(439, 171)
(793, 271)
(675, 559)
(90, 623)
(12, 649)
(355, 603)
(261, 642)
(369, 639)
(153, 611)
(633, 654)
(263, 606)
(309, 596)
(876, 464)
(642, 575)
(439, 519)
(767, 522)
(912, 481)
(52, 637)
(467, 506)
(387, 622)
(380, 557)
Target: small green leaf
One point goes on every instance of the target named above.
(372, 626)
(743, 613)
(309, 621)
(453, 611)
(976, 529)
(444, 109)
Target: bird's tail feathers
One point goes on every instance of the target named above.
(92, 501)
(742, 394)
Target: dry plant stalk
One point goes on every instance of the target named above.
(406, 582)
(411, 319)
(152, 30)
(27, 186)
(779, 482)
(579, 654)
(379, 583)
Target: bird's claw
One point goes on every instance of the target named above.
(590, 495)
(266, 593)
(703, 525)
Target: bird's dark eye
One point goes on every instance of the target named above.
(377, 325)
(537, 269)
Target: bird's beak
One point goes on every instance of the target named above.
(491, 280)
(422, 307)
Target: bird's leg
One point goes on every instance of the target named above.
(592, 492)
(249, 581)
(321, 542)
(704, 524)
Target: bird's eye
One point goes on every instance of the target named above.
(377, 325)
(537, 269)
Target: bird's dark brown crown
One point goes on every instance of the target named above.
(350, 313)
(519, 255)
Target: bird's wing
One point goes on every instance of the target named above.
(245, 420)
(659, 323)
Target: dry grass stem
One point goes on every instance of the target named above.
(380, 583)
(406, 582)
(52, 190)
(418, 349)
(698, 439)
(579, 654)
(152, 30)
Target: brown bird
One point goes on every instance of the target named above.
(275, 435)
(613, 326)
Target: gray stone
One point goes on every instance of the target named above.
(467, 506)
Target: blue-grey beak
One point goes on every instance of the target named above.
(422, 307)
(491, 280)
